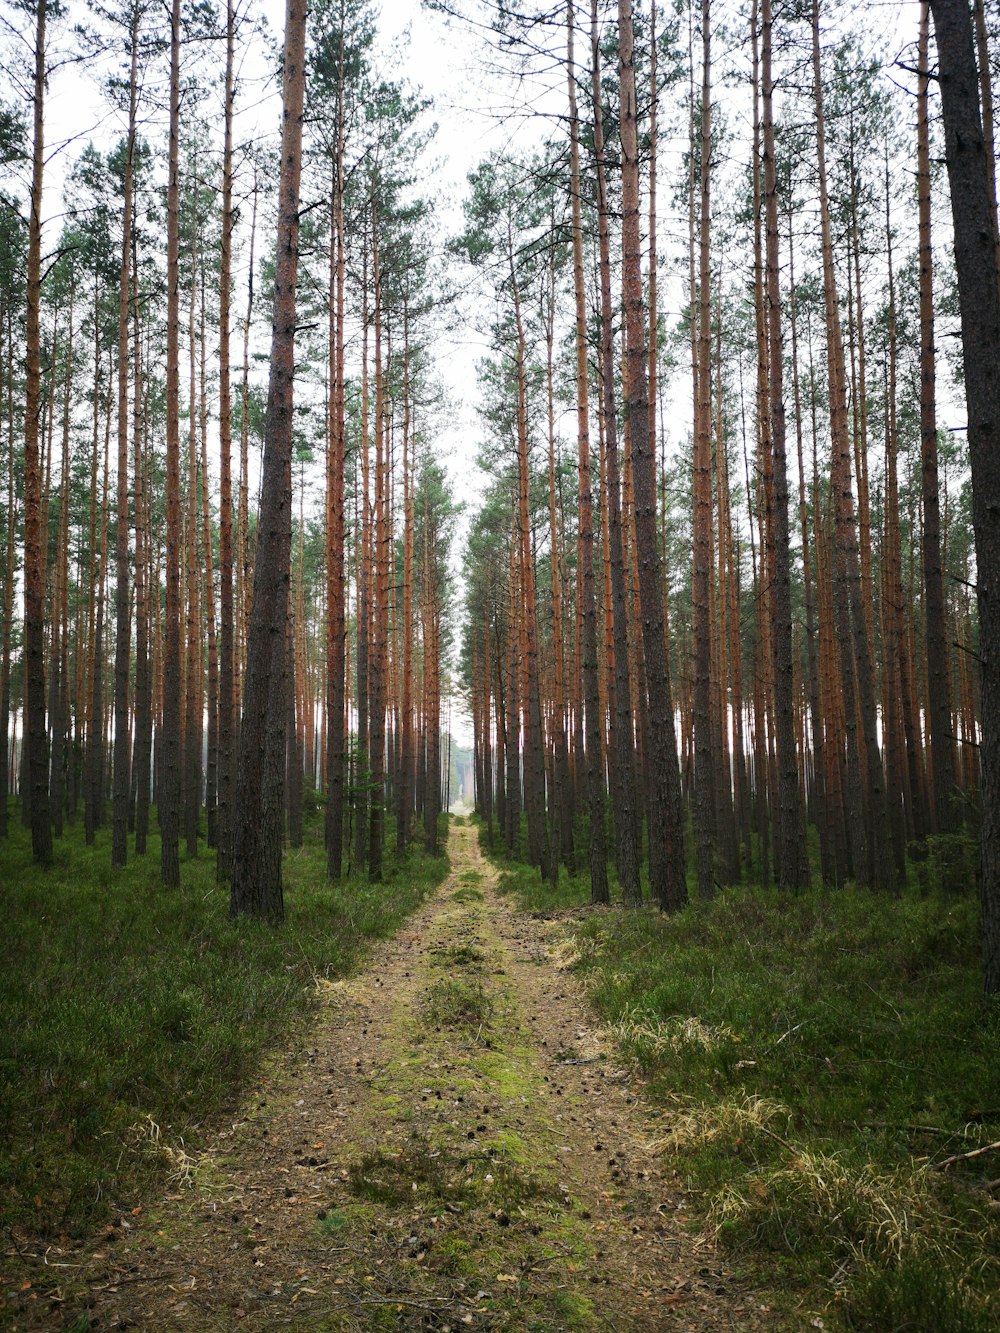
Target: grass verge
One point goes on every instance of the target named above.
(131, 1014)
(817, 1058)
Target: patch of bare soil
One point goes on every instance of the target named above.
(454, 1146)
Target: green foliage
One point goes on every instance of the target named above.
(131, 1014)
(817, 1056)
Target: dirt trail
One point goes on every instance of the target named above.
(453, 1146)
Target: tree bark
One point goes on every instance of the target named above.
(336, 626)
(169, 741)
(936, 635)
(979, 302)
(622, 765)
(705, 759)
(227, 693)
(123, 625)
(789, 851)
(256, 888)
(666, 843)
(594, 713)
(34, 555)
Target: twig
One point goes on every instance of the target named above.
(887, 1003)
(127, 1281)
(774, 1045)
(966, 1156)
(777, 1138)
(914, 1129)
(414, 1305)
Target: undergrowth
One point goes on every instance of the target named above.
(130, 1014)
(816, 1058)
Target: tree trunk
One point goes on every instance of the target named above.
(336, 626)
(169, 735)
(938, 673)
(666, 845)
(34, 555)
(705, 759)
(227, 693)
(256, 888)
(8, 608)
(624, 799)
(789, 851)
(979, 301)
(594, 713)
(119, 819)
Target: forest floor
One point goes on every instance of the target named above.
(451, 1144)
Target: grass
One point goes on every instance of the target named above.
(457, 1002)
(131, 1014)
(816, 1057)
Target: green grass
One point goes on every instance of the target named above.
(455, 1002)
(131, 1014)
(816, 1056)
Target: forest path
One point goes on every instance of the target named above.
(451, 1145)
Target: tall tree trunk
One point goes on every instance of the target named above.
(143, 585)
(666, 844)
(194, 670)
(335, 583)
(169, 736)
(789, 851)
(563, 792)
(8, 602)
(119, 818)
(58, 671)
(936, 634)
(979, 301)
(704, 758)
(34, 555)
(364, 599)
(212, 642)
(876, 865)
(624, 798)
(594, 713)
(227, 693)
(404, 803)
(527, 621)
(380, 601)
(256, 888)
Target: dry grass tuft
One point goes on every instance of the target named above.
(653, 1039)
(874, 1215)
(728, 1121)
